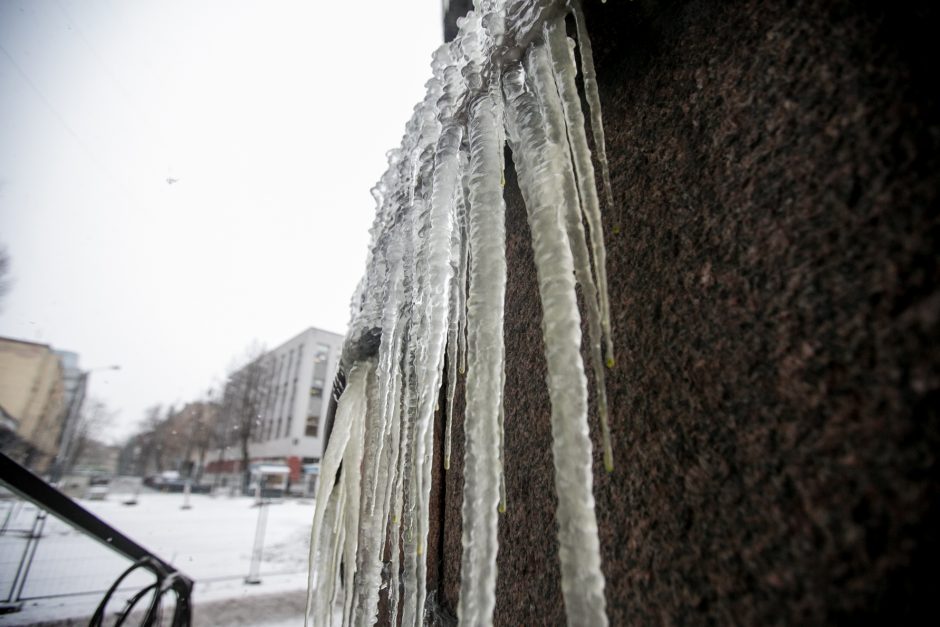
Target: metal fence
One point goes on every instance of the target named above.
(46, 539)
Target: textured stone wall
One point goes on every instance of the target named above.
(774, 293)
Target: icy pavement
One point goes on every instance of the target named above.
(211, 543)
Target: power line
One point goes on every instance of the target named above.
(129, 99)
(58, 116)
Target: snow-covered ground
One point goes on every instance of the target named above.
(211, 543)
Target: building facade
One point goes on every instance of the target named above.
(32, 394)
(291, 408)
(74, 386)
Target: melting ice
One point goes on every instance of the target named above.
(433, 298)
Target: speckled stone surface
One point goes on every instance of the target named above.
(774, 293)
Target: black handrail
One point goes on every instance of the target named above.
(34, 489)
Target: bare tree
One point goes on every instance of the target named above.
(94, 419)
(205, 434)
(243, 401)
(4, 272)
(148, 439)
(200, 418)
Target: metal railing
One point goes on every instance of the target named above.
(49, 500)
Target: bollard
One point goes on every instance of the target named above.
(254, 570)
(186, 490)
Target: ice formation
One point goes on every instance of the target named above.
(430, 310)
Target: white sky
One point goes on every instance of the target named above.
(275, 116)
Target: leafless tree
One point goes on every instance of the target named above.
(201, 418)
(4, 273)
(94, 420)
(147, 440)
(243, 401)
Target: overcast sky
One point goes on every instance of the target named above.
(274, 117)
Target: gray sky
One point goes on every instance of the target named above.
(275, 118)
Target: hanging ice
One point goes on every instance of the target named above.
(349, 416)
(433, 298)
(487, 237)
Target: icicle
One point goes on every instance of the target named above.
(456, 303)
(462, 293)
(350, 410)
(502, 440)
(409, 566)
(436, 292)
(392, 503)
(451, 391)
(330, 596)
(372, 519)
(321, 564)
(434, 285)
(390, 348)
(445, 178)
(558, 122)
(579, 551)
(593, 98)
(495, 27)
(397, 490)
(485, 304)
(565, 71)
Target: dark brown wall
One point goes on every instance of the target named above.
(775, 302)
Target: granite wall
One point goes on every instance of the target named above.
(773, 276)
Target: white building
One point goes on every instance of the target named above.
(292, 410)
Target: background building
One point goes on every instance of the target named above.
(74, 386)
(275, 406)
(32, 395)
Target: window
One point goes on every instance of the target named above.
(313, 426)
(290, 412)
(320, 362)
(313, 413)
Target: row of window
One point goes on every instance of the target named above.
(277, 414)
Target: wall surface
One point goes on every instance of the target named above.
(31, 390)
(774, 293)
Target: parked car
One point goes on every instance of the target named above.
(98, 488)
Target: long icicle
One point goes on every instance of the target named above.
(582, 581)
(558, 123)
(565, 71)
(352, 479)
(495, 27)
(418, 354)
(350, 409)
(456, 303)
(593, 97)
(387, 365)
(439, 277)
(432, 289)
(371, 529)
(396, 490)
(485, 305)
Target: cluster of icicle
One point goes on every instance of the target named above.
(433, 295)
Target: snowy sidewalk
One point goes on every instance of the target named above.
(211, 543)
(251, 609)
